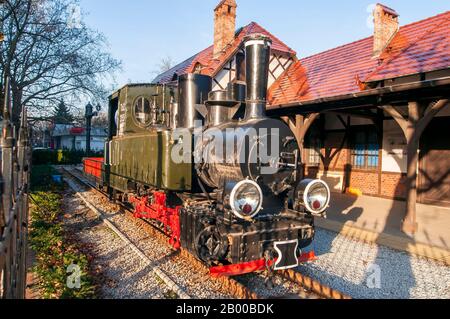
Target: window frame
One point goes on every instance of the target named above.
(368, 154)
(315, 150)
(135, 119)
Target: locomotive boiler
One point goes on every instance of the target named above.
(212, 170)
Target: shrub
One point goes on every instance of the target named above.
(61, 157)
(41, 177)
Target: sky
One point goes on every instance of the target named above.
(142, 32)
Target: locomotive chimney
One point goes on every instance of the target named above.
(193, 92)
(257, 57)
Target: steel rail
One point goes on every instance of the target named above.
(312, 285)
(156, 270)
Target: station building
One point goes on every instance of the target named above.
(371, 116)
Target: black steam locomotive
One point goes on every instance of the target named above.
(217, 175)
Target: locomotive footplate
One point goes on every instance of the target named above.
(284, 238)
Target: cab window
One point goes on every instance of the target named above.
(142, 111)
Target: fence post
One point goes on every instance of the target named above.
(14, 174)
(23, 186)
(7, 144)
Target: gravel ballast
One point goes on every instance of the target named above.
(119, 272)
(352, 267)
(196, 284)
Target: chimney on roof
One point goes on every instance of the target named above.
(386, 26)
(224, 25)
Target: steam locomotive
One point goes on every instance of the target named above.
(212, 170)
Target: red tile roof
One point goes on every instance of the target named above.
(211, 66)
(418, 47)
(424, 47)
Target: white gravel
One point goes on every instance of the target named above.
(352, 268)
(123, 274)
(196, 284)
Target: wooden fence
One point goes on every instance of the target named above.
(14, 187)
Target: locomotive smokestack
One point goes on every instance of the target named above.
(193, 90)
(257, 57)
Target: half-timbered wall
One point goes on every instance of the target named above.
(278, 64)
(336, 165)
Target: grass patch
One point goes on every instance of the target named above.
(60, 265)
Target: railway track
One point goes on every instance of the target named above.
(238, 287)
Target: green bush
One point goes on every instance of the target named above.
(44, 157)
(52, 157)
(54, 254)
(41, 177)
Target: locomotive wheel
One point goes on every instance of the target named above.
(209, 245)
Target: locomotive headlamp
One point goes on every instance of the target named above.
(314, 195)
(246, 199)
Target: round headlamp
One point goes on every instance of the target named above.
(246, 199)
(314, 195)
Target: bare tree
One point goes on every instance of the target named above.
(165, 64)
(49, 54)
(101, 120)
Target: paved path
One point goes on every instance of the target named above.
(385, 216)
(372, 271)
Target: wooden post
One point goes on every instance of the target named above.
(300, 127)
(410, 225)
(413, 128)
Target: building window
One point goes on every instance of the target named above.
(315, 146)
(365, 152)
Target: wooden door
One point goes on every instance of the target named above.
(434, 167)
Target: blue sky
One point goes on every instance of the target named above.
(141, 32)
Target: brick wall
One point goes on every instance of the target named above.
(224, 25)
(393, 185)
(385, 27)
(367, 182)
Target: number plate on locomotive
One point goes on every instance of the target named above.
(287, 254)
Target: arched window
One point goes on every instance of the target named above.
(142, 111)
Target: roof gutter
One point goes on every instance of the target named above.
(367, 93)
